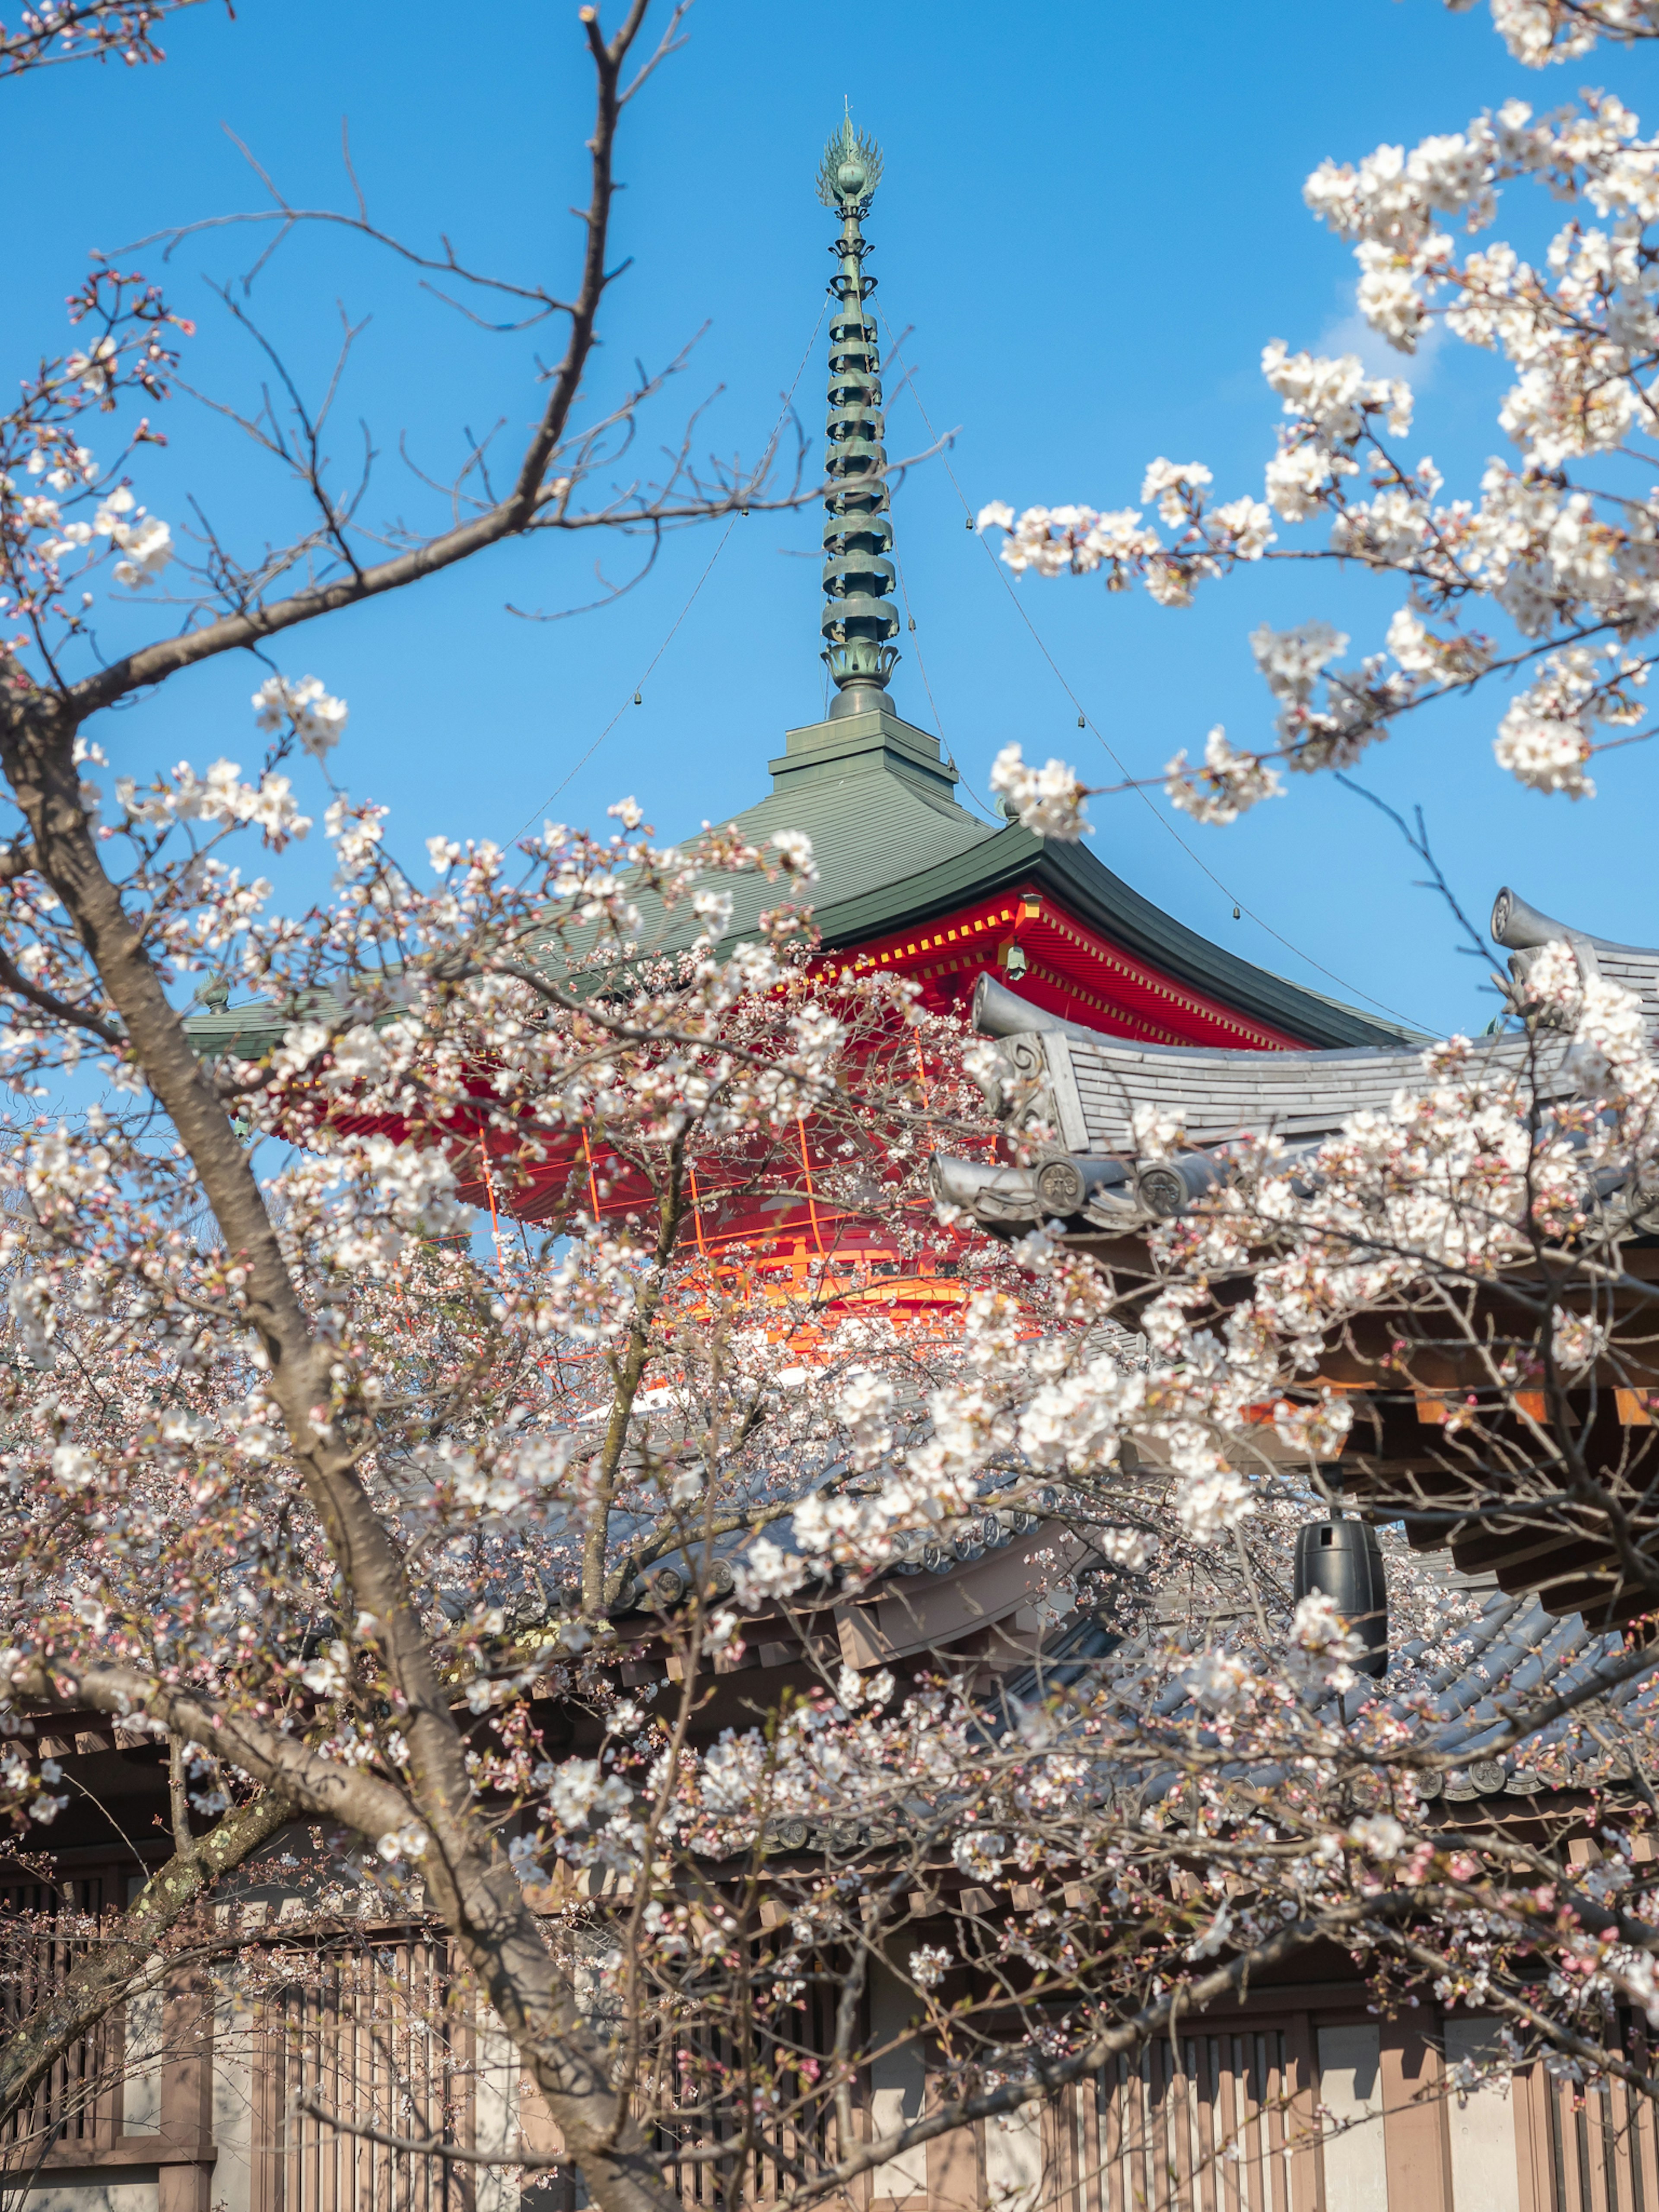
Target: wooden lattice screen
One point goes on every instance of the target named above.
(75, 2106)
(1224, 2129)
(685, 2056)
(386, 2035)
(376, 2038)
(1602, 2145)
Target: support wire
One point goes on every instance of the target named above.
(1087, 720)
(633, 696)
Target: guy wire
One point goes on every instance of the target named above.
(1161, 818)
(939, 725)
(640, 681)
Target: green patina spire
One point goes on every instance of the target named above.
(859, 618)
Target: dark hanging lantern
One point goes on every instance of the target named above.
(1344, 1560)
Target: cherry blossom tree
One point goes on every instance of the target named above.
(1544, 571)
(85, 30)
(534, 1440)
(71, 523)
(297, 1485)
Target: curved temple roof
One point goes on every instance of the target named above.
(1524, 932)
(1091, 1183)
(895, 850)
(1088, 1087)
(1093, 1084)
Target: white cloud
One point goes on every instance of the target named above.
(1351, 333)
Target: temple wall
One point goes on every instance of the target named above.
(1312, 2106)
(89, 2191)
(1351, 2092)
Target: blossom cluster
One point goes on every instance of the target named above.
(1048, 799)
(1571, 568)
(317, 720)
(154, 1512)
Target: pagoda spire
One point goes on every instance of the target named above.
(859, 618)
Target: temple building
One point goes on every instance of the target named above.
(909, 879)
(1084, 1084)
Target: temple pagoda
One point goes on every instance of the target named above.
(909, 880)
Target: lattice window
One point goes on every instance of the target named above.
(1214, 2132)
(1602, 2145)
(688, 2072)
(376, 2038)
(75, 2104)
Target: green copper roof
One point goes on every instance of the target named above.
(878, 803)
(1078, 881)
(875, 797)
(893, 848)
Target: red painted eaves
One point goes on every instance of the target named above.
(1070, 969)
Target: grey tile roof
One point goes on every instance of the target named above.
(1096, 1086)
(1524, 931)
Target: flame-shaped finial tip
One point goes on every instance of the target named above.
(850, 170)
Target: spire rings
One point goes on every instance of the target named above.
(858, 620)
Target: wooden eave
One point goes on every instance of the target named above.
(1082, 887)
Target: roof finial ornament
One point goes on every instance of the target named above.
(859, 619)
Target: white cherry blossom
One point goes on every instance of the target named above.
(1048, 799)
(318, 719)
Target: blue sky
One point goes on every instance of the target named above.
(1090, 223)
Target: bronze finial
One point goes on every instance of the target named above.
(850, 170)
(859, 618)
